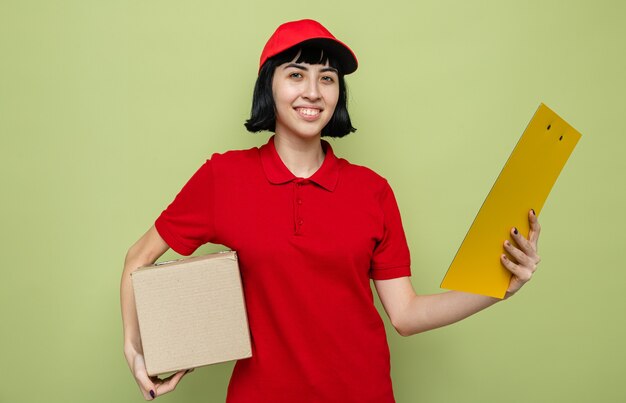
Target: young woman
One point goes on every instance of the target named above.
(310, 230)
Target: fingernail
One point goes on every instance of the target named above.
(515, 230)
(533, 211)
(152, 393)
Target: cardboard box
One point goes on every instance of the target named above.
(191, 312)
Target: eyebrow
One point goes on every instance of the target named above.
(301, 67)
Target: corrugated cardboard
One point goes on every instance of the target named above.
(191, 312)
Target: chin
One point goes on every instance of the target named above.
(302, 131)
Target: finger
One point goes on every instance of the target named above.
(146, 383)
(519, 256)
(148, 387)
(169, 383)
(517, 270)
(179, 373)
(535, 228)
(522, 243)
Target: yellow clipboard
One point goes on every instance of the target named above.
(524, 183)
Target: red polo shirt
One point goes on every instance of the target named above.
(307, 249)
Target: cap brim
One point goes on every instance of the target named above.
(340, 51)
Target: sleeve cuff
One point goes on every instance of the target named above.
(390, 272)
(172, 241)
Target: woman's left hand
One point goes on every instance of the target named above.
(524, 253)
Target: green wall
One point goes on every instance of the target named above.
(108, 107)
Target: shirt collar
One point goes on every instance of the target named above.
(277, 173)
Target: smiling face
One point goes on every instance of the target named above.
(305, 97)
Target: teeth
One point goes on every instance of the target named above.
(309, 112)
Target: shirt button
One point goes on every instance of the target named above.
(299, 201)
(300, 221)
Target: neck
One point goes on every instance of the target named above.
(301, 156)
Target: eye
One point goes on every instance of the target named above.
(328, 79)
(295, 75)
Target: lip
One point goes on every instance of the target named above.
(308, 113)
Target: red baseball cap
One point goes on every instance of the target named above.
(295, 33)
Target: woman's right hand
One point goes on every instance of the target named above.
(144, 252)
(152, 386)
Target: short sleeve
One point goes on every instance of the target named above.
(391, 257)
(187, 223)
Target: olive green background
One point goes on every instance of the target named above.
(108, 107)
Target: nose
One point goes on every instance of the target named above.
(311, 91)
